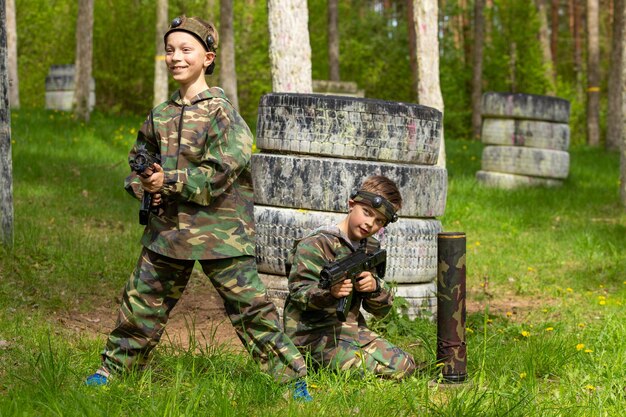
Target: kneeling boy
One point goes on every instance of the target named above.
(310, 317)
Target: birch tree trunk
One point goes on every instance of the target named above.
(160, 68)
(6, 164)
(427, 52)
(477, 67)
(333, 40)
(290, 48)
(228, 72)
(544, 40)
(413, 46)
(84, 53)
(593, 74)
(11, 31)
(615, 118)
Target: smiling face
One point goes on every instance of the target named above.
(362, 221)
(186, 58)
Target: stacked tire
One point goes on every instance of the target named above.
(315, 150)
(527, 140)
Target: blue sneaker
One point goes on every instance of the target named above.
(301, 392)
(99, 378)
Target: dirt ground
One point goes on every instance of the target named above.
(200, 314)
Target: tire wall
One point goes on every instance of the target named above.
(315, 150)
(527, 139)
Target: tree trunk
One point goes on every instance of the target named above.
(160, 69)
(544, 40)
(554, 34)
(593, 74)
(228, 71)
(11, 30)
(615, 118)
(477, 68)
(578, 56)
(333, 40)
(84, 52)
(6, 164)
(412, 48)
(290, 49)
(427, 52)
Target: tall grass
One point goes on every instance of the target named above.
(558, 253)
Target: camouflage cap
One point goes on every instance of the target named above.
(204, 31)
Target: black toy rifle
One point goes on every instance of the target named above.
(351, 267)
(143, 161)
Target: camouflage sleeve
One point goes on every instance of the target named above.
(380, 305)
(132, 185)
(309, 257)
(226, 155)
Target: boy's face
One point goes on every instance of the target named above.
(186, 58)
(363, 221)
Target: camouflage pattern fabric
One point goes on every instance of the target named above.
(205, 149)
(310, 318)
(157, 284)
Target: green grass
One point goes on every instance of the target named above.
(546, 268)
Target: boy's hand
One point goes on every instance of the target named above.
(341, 289)
(152, 179)
(366, 282)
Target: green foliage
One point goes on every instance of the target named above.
(513, 59)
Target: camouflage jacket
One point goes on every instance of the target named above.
(310, 312)
(205, 149)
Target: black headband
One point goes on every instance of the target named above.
(378, 203)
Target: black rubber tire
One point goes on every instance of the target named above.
(324, 184)
(533, 162)
(411, 243)
(349, 127)
(511, 181)
(530, 133)
(525, 106)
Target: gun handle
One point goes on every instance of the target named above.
(144, 210)
(343, 307)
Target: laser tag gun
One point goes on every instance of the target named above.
(350, 267)
(142, 162)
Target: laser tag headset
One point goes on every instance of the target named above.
(378, 203)
(202, 30)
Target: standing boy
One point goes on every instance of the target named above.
(310, 312)
(202, 189)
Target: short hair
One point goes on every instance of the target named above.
(384, 187)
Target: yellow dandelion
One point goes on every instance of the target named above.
(581, 325)
(509, 314)
(580, 346)
(132, 131)
(545, 310)
(568, 289)
(522, 375)
(590, 387)
(489, 321)
(477, 243)
(530, 269)
(588, 350)
(312, 386)
(624, 283)
(549, 329)
(601, 297)
(602, 302)
(525, 333)
(469, 330)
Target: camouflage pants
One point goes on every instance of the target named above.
(368, 353)
(157, 284)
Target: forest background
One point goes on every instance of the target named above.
(374, 51)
